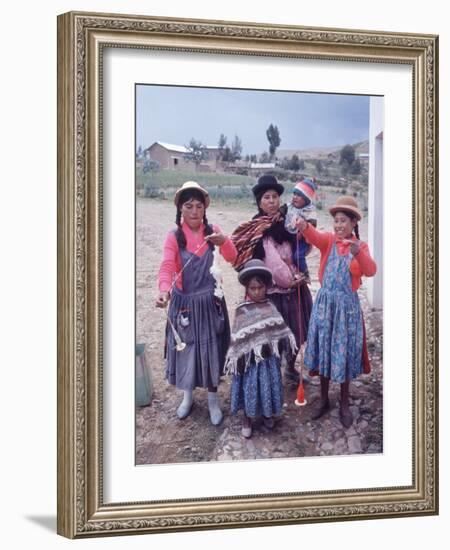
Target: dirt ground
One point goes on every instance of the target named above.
(162, 438)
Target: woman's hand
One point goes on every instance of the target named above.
(297, 280)
(216, 238)
(163, 299)
(301, 224)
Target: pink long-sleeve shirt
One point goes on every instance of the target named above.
(278, 258)
(361, 264)
(171, 262)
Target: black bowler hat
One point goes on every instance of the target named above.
(265, 183)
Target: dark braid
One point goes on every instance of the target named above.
(208, 230)
(180, 236)
(355, 219)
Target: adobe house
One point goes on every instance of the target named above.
(257, 168)
(172, 157)
(169, 156)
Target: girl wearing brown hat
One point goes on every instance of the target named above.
(265, 238)
(198, 329)
(260, 339)
(336, 347)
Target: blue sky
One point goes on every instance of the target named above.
(176, 114)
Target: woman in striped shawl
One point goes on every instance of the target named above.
(265, 238)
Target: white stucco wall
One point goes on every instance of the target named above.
(376, 184)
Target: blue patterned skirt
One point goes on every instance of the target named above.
(335, 337)
(259, 391)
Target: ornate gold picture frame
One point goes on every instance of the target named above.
(83, 510)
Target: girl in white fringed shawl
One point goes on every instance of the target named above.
(260, 339)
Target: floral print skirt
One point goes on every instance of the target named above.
(259, 391)
(335, 338)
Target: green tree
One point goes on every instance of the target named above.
(273, 136)
(347, 155)
(355, 168)
(151, 186)
(197, 151)
(264, 157)
(227, 155)
(222, 144)
(236, 148)
(294, 163)
(319, 166)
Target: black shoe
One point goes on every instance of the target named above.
(346, 418)
(320, 410)
(268, 422)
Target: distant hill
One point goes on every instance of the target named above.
(321, 152)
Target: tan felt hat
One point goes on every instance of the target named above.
(346, 203)
(189, 185)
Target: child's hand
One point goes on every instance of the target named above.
(162, 300)
(355, 246)
(216, 238)
(278, 216)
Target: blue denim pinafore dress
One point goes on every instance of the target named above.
(335, 337)
(201, 320)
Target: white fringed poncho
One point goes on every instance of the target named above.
(258, 329)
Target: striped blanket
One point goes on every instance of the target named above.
(247, 235)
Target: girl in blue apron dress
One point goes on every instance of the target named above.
(196, 317)
(336, 347)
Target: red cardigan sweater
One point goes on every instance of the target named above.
(171, 263)
(361, 264)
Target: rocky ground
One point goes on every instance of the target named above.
(162, 438)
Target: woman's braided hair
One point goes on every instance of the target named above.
(185, 197)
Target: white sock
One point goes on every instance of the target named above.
(185, 406)
(215, 413)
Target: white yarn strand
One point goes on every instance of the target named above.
(216, 272)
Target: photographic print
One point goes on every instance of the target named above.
(247, 283)
(222, 374)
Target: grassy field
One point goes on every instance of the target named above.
(175, 178)
(325, 198)
(229, 188)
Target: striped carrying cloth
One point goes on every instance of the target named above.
(247, 235)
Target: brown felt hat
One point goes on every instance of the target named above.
(190, 186)
(348, 204)
(255, 268)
